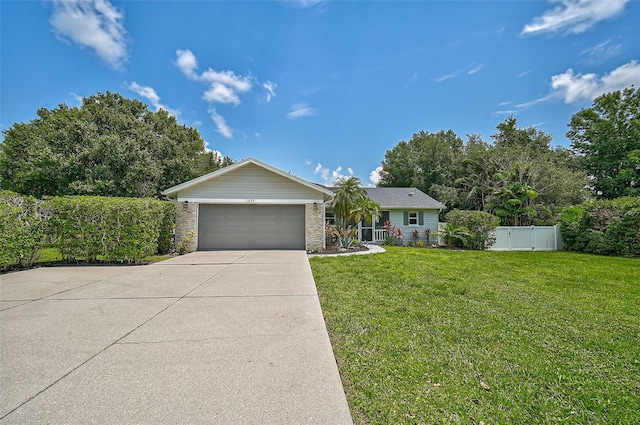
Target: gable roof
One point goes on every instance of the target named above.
(402, 197)
(229, 169)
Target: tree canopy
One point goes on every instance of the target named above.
(606, 139)
(518, 177)
(110, 146)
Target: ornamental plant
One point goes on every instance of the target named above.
(394, 231)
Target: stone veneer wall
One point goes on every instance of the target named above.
(187, 221)
(314, 226)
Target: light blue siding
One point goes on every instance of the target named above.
(430, 222)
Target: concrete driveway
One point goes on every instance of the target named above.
(229, 337)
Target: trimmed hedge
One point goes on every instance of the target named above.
(84, 228)
(167, 226)
(22, 229)
(605, 227)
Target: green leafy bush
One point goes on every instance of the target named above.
(86, 228)
(605, 227)
(478, 226)
(454, 236)
(167, 227)
(23, 221)
(83, 228)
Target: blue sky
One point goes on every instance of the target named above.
(322, 88)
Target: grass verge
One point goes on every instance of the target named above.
(51, 256)
(439, 336)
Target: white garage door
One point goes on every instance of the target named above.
(251, 227)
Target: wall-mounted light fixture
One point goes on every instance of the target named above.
(185, 205)
(315, 206)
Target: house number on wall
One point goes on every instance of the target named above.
(250, 201)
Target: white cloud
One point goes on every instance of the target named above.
(601, 52)
(575, 16)
(575, 88)
(328, 176)
(216, 154)
(96, 24)
(219, 93)
(224, 86)
(299, 110)
(227, 78)
(324, 173)
(505, 103)
(446, 77)
(270, 87)
(150, 94)
(505, 112)
(475, 69)
(336, 174)
(258, 135)
(307, 161)
(197, 123)
(76, 97)
(221, 124)
(375, 175)
(301, 4)
(523, 73)
(187, 63)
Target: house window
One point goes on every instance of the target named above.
(329, 217)
(413, 218)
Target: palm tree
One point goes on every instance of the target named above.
(365, 208)
(347, 196)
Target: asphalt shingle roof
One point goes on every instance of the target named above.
(402, 197)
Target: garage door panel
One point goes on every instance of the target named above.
(251, 227)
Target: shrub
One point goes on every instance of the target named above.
(183, 246)
(605, 227)
(479, 226)
(345, 237)
(392, 231)
(23, 221)
(454, 236)
(389, 240)
(114, 229)
(167, 227)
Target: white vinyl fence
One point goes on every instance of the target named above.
(527, 238)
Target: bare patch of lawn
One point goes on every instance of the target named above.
(431, 336)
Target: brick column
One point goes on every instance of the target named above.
(314, 225)
(186, 222)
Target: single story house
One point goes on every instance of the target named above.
(407, 208)
(250, 205)
(253, 205)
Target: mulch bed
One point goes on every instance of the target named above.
(335, 250)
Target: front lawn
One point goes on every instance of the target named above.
(427, 336)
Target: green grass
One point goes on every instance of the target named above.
(51, 255)
(555, 335)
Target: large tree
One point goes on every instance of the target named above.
(517, 177)
(606, 137)
(509, 135)
(427, 159)
(111, 146)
